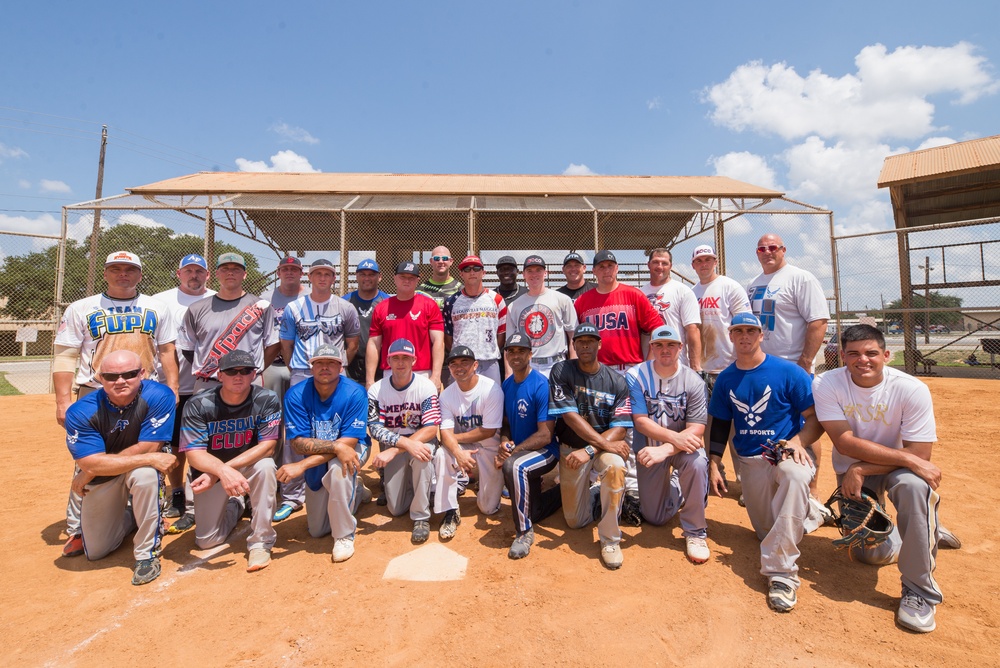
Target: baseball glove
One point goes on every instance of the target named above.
(631, 515)
(775, 451)
(863, 523)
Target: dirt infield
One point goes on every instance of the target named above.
(557, 607)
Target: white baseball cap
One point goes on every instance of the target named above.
(123, 257)
(703, 250)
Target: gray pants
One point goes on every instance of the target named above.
(446, 479)
(75, 501)
(914, 539)
(106, 517)
(216, 513)
(331, 508)
(662, 493)
(577, 501)
(408, 483)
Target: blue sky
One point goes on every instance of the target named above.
(805, 97)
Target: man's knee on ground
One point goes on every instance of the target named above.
(794, 474)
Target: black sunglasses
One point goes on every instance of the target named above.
(127, 375)
(242, 371)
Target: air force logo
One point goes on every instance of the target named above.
(71, 439)
(522, 408)
(158, 422)
(752, 413)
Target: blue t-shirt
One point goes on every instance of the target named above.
(344, 414)
(764, 403)
(525, 404)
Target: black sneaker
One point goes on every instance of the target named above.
(146, 571)
(449, 525)
(421, 531)
(183, 524)
(631, 514)
(177, 504)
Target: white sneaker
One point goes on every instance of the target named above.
(915, 613)
(611, 555)
(366, 494)
(343, 549)
(258, 560)
(697, 550)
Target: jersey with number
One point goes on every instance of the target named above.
(214, 327)
(897, 409)
(719, 301)
(482, 406)
(476, 322)
(545, 320)
(573, 293)
(100, 325)
(525, 404)
(178, 302)
(600, 398)
(310, 324)
(365, 309)
(764, 403)
(786, 302)
(414, 320)
(621, 315)
(677, 305)
(439, 292)
(399, 412)
(226, 431)
(672, 403)
(96, 426)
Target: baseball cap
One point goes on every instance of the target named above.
(194, 259)
(470, 261)
(408, 268)
(604, 256)
(517, 340)
(290, 260)
(665, 333)
(402, 347)
(322, 264)
(746, 319)
(231, 258)
(534, 261)
(237, 359)
(327, 352)
(460, 352)
(573, 257)
(586, 329)
(367, 264)
(123, 257)
(704, 249)
(506, 259)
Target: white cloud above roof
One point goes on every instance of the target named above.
(282, 161)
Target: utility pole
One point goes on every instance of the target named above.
(95, 232)
(926, 266)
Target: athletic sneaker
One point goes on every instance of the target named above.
(948, 539)
(366, 494)
(463, 482)
(73, 546)
(145, 571)
(822, 510)
(449, 525)
(284, 512)
(522, 545)
(259, 559)
(343, 549)
(915, 613)
(177, 504)
(611, 555)
(781, 597)
(421, 531)
(697, 550)
(183, 524)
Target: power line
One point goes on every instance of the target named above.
(58, 199)
(42, 132)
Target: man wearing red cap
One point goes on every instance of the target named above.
(476, 317)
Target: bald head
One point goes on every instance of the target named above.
(771, 253)
(441, 264)
(120, 360)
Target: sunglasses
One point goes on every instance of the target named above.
(440, 258)
(242, 371)
(469, 270)
(769, 249)
(127, 375)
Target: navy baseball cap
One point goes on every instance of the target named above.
(517, 340)
(231, 258)
(573, 257)
(402, 347)
(534, 261)
(290, 260)
(460, 352)
(327, 352)
(586, 329)
(322, 264)
(237, 359)
(408, 268)
(746, 319)
(367, 265)
(506, 259)
(194, 259)
(665, 333)
(605, 256)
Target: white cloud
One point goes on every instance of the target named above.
(136, 219)
(747, 167)
(578, 170)
(49, 186)
(843, 172)
(282, 161)
(11, 151)
(293, 133)
(24, 184)
(934, 142)
(653, 104)
(42, 224)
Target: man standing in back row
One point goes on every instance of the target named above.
(440, 285)
(545, 316)
(676, 304)
(476, 317)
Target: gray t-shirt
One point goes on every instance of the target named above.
(672, 402)
(216, 326)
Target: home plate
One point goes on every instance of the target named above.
(431, 563)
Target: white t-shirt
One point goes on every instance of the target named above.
(786, 302)
(677, 305)
(178, 303)
(482, 406)
(545, 320)
(897, 409)
(719, 301)
(98, 325)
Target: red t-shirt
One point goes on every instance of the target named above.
(412, 320)
(620, 315)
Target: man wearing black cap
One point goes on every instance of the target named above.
(509, 288)
(471, 417)
(574, 270)
(593, 413)
(545, 316)
(229, 434)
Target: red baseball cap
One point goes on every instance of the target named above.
(471, 261)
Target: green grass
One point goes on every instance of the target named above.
(6, 389)
(946, 357)
(29, 358)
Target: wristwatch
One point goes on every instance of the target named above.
(590, 451)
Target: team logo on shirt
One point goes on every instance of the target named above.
(710, 303)
(537, 323)
(120, 426)
(71, 439)
(558, 394)
(671, 406)
(328, 430)
(752, 413)
(659, 302)
(158, 422)
(522, 408)
(414, 316)
(122, 320)
(330, 325)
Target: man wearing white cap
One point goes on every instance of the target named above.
(96, 326)
(676, 304)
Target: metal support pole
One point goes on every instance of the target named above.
(473, 244)
(96, 229)
(927, 298)
(344, 255)
(210, 241)
(720, 239)
(597, 240)
(60, 280)
(836, 273)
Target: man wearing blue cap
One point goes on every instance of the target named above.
(364, 300)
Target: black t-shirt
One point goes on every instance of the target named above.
(574, 293)
(225, 431)
(510, 295)
(602, 399)
(365, 308)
